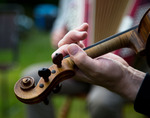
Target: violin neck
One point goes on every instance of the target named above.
(128, 38)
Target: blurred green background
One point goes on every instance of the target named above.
(35, 47)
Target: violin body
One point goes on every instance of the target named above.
(136, 38)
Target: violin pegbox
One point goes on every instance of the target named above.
(27, 92)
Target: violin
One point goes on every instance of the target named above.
(136, 38)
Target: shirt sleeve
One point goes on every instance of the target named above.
(142, 101)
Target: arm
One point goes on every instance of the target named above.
(109, 70)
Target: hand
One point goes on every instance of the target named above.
(109, 70)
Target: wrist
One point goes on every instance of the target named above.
(132, 81)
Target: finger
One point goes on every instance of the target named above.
(63, 50)
(75, 35)
(81, 44)
(83, 27)
(81, 59)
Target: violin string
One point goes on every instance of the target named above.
(107, 39)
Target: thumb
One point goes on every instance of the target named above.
(80, 58)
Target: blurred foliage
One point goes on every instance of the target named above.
(34, 48)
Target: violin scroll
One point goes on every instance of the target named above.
(27, 92)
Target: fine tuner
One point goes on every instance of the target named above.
(136, 38)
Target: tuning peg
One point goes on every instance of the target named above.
(57, 88)
(27, 83)
(45, 73)
(46, 101)
(58, 59)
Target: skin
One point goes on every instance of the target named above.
(57, 35)
(109, 70)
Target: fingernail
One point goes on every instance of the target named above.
(73, 49)
(83, 33)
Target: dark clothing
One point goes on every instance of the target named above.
(142, 101)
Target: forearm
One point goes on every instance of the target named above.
(131, 83)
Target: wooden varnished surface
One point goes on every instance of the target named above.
(37, 94)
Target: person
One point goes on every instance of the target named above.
(109, 70)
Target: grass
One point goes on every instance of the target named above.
(35, 47)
